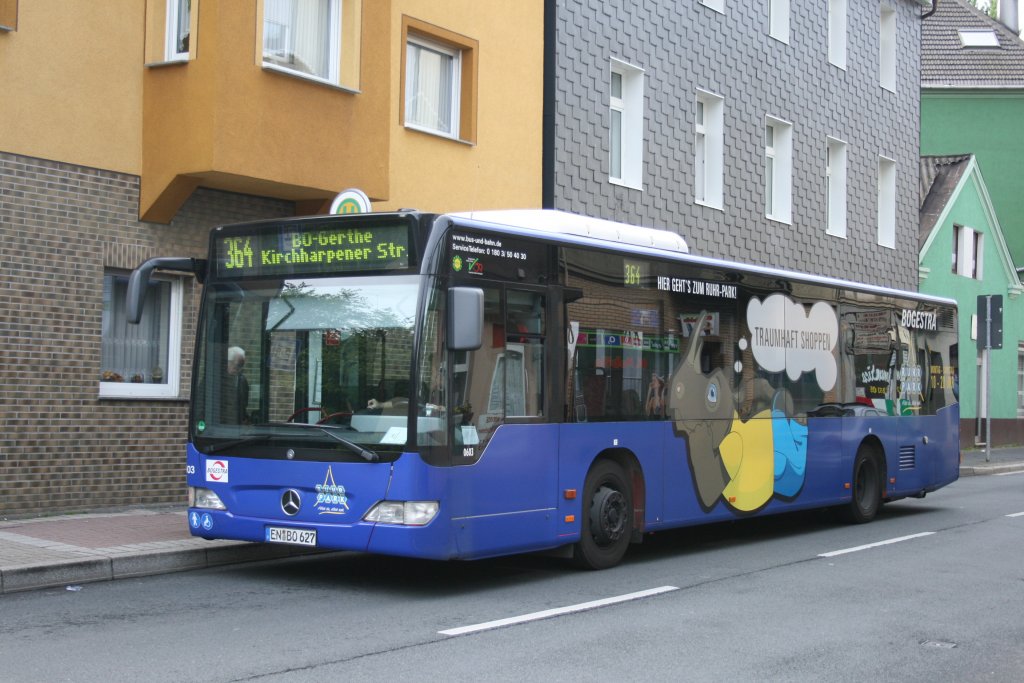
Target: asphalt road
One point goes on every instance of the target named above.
(933, 590)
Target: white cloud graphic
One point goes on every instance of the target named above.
(785, 337)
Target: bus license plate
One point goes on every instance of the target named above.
(276, 534)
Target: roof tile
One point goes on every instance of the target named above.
(946, 63)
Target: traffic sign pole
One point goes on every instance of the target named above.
(988, 378)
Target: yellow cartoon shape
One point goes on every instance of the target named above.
(748, 454)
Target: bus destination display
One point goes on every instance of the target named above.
(316, 248)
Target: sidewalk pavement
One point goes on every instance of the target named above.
(69, 550)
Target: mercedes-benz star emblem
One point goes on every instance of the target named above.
(291, 502)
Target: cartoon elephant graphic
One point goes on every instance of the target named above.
(743, 462)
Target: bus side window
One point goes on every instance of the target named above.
(524, 354)
(478, 402)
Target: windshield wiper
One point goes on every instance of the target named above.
(364, 453)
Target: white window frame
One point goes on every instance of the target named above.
(778, 169)
(837, 36)
(334, 49)
(836, 187)
(616, 113)
(717, 5)
(968, 252)
(887, 48)
(709, 149)
(170, 388)
(171, 54)
(631, 133)
(413, 44)
(778, 20)
(886, 202)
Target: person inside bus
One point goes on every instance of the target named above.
(399, 400)
(235, 389)
(654, 407)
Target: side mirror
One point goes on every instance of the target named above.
(465, 318)
(138, 282)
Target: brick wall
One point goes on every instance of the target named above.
(685, 46)
(62, 447)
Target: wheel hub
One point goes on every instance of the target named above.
(608, 515)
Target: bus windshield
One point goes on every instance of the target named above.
(313, 361)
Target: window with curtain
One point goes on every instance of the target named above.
(967, 252)
(178, 27)
(141, 360)
(432, 87)
(303, 36)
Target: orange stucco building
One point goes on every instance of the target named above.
(129, 128)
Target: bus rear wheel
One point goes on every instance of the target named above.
(607, 517)
(867, 488)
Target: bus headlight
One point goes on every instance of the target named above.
(408, 512)
(204, 498)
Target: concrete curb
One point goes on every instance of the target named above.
(128, 565)
(49, 575)
(979, 470)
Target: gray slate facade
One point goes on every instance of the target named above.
(683, 46)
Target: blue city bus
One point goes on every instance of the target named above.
(470, 385)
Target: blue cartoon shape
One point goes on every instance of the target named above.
(790, 440)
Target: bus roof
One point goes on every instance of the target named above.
(574, 224)
(643, 240)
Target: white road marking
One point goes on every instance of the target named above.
(1006, 474)
(1016, 514)
(546, 614)
(875, 545)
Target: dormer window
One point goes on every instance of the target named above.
(984, 37)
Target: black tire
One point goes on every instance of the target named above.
(867, 488)
(607, 517)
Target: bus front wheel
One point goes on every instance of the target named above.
(607, 517)
(867, 488)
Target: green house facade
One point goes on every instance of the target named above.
(972, 109)
(972, 102)
(963, 256)
(987, 124)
